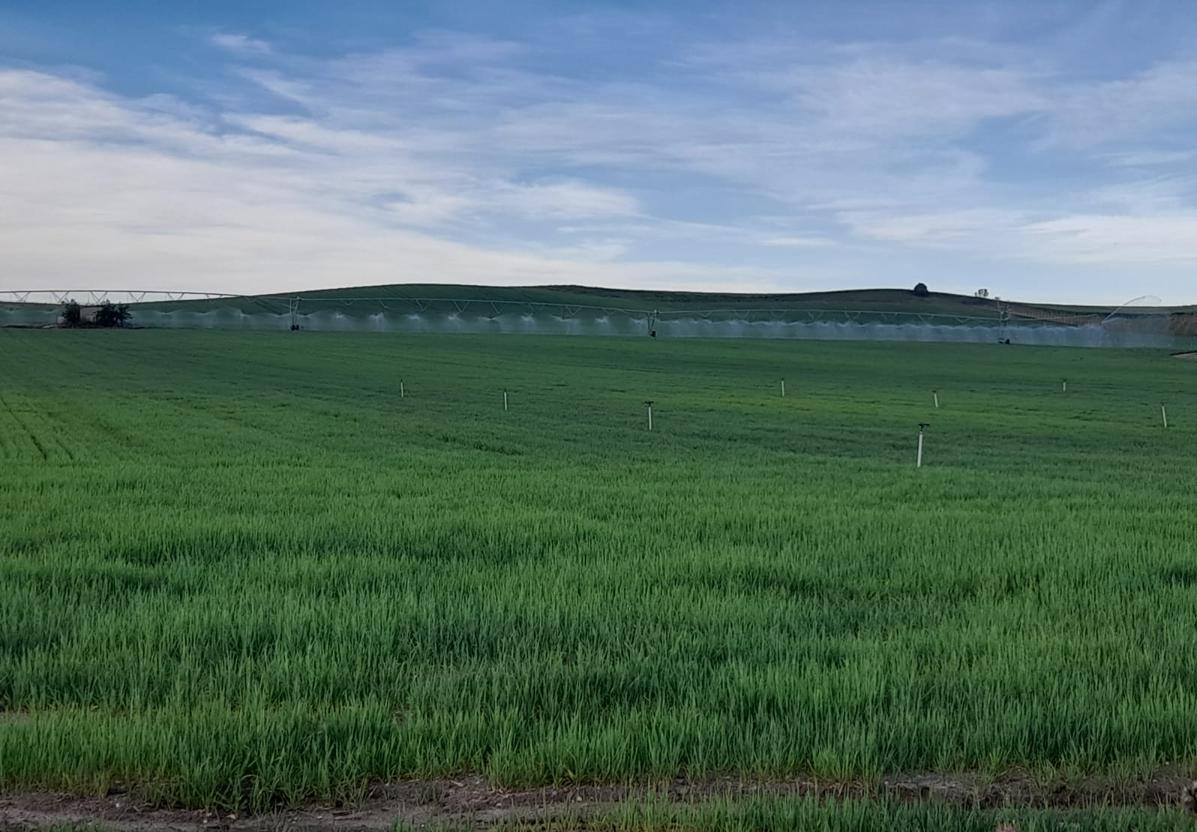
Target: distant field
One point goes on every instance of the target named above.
(241, 570)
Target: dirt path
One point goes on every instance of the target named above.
(472, 802)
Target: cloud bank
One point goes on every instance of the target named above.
(743, 166)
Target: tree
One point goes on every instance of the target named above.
(111, 314)
(982, 293)
(72, 315)
(920, 290)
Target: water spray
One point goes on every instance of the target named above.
(1142, 301)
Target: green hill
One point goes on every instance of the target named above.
(893, 301)
(857, 300)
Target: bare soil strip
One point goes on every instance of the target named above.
(472, 802)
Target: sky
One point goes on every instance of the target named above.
(1042, 151)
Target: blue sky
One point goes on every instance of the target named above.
(1044, 151)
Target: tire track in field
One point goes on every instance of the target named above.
(138, 389)
(228, 425)
(54, 428)
(10, 446)
(111, 434)
(21, 424)
(20, 375)
(209, 381)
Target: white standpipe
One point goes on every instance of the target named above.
(1164, 414)
(504, 401)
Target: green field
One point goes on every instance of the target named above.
(240, 570)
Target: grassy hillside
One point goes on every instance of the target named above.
(891, 300)
(857, 299)
(246, 569)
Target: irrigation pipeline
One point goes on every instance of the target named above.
(568, 310)
(296, 304)
(95, 297)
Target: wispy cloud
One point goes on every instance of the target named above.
(1157, 105)
(1132, 241)
(241, 44)
(119, 191)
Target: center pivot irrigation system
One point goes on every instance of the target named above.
(1132, 324)
(96, 297)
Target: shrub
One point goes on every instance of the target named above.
(72, 315)
(111, 314)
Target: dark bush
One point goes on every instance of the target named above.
(72, 315)
(920, 290)
(112, 314)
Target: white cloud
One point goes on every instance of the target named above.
(1150, 104)
(241, 44)
(1156, 239)
(897, 98)
(1109, 238)
(791, 241)
(1149, 158)
(133, 197)
(944, 229)
(567, 200)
